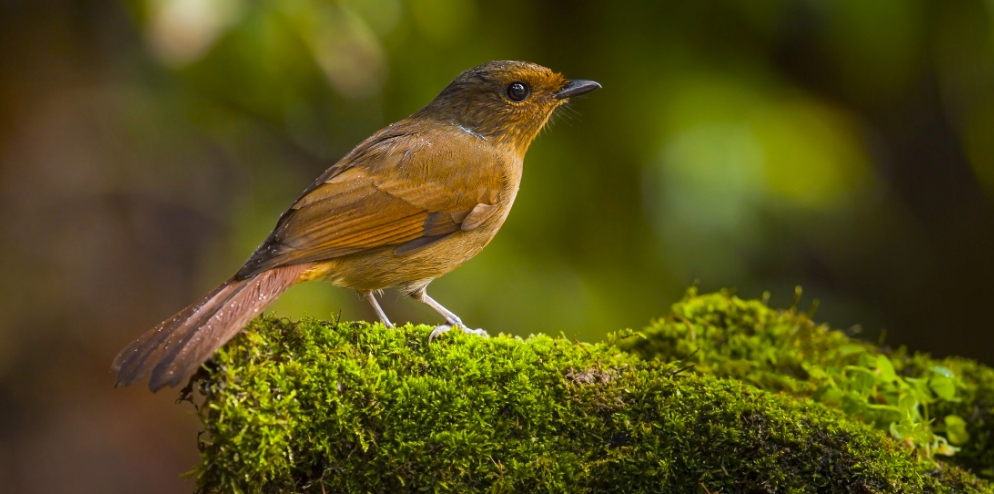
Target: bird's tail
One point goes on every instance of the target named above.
(175, 349)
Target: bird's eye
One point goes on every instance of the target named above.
(517, 91)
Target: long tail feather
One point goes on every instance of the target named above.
(173, 350)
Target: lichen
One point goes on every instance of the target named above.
(315, 406)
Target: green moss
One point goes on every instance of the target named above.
(319, 407)
(785, 351)
(975, 406)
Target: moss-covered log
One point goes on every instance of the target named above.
(319, 407)
(785, 351)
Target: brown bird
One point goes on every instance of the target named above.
(407, 205)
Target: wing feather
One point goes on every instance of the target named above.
(380, 197)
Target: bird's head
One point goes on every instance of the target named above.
(505, 102)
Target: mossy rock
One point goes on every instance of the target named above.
(322, 407)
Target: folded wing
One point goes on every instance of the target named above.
(404, 192)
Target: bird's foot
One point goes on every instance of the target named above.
(445, 328)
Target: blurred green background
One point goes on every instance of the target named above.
(147, 147)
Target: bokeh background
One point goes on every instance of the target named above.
(147, 147)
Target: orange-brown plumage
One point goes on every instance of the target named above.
(407, 205)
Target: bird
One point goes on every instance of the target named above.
(407, 205)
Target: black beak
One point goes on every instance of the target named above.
(575, 88)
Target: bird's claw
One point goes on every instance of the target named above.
(445, 328)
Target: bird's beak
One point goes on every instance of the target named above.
(575, 88)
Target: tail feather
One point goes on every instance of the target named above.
(173, 350)
(135, 362)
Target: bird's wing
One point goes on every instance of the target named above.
(406, 191)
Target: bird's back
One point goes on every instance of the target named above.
(412, 203)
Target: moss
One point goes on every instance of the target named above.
(319, 407)
(785, 351)
(975, 406)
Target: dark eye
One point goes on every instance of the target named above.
(517, 91)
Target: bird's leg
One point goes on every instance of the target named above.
(421, 295)
(376, 307)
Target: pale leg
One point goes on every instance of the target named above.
(452, 319)
(376, 307)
